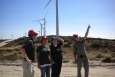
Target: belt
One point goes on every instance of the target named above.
(26, 60)
(81, 56)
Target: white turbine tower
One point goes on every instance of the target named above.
(57, 19)
(12, 37)
(25, 34)
(40, 25)
(39, 33)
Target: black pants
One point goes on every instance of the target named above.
(56, 69)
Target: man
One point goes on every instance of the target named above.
(28, 52)
(80, 51)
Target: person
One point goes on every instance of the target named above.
(28, 50)
(56, 53)
(80, 51)
(43, 55)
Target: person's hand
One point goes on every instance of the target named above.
(57, 38)
(38, 66)
(52, 62)
(29, 61)
(75, 61)
(88, 26)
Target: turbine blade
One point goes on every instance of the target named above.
(39, 20)
(46, 13)
(47, 4)
(40, 23)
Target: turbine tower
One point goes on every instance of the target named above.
(45, 22)
(12, 37)
(57, 19)
(40, 25)
(25, 34)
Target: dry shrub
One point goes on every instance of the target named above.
(99, 55)
(113, 54)
(65, 61)
(91, 56)
(95, 45)
(107, 59)
(11, 56)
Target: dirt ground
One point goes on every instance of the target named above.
(67, 71)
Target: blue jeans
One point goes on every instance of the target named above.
(44, 70)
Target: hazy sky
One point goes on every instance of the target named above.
(16, 17)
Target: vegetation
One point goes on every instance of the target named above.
(95, 45)
(107, 59)
(97, 49)
(65, 61)
(99, 55)
(2, 41)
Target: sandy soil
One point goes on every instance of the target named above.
(67, 71)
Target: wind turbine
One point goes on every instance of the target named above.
(25, 34)
(44, 23)
(1, 37)
(12, 37)
(39, 33)
(41, 27)
(57, 19)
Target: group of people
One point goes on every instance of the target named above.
(50, 57)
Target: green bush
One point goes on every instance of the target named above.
(67, 39)
(95, 45)
(107, 59)
(106, 43)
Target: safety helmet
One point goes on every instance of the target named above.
(74, 36)
(43, 37)
(52, 38)
(32, 32)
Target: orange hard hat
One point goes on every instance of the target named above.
(32, 32)
(43, 37)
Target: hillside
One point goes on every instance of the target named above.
(97, 49)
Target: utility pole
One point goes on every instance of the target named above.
(1, 37)
(12, 37)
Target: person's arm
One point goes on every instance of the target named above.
(22, 50)
(52, 62)
(37, 57)
(61, 40)
(74, 54)
(86, 34)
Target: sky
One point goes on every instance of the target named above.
(17, 16)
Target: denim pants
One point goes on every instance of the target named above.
(45, 71)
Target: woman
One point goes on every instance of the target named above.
(56, 53)
(44, 57)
